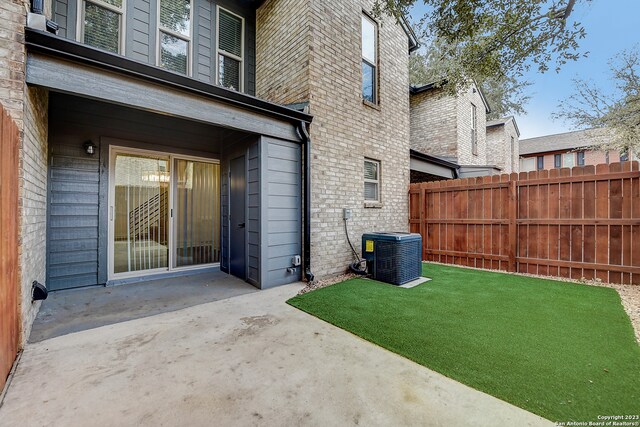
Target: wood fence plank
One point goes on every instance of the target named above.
(577, 229)
(578, 222)
(615, 231)
(9, 319)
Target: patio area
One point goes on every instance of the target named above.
(246, 360)
(65, 312)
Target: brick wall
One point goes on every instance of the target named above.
(434, 123)
(499, 148)
(465, 153)
(282, 51)
(344, 130)
(28, 106)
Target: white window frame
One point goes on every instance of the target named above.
(224, 52)
(373, 181)
(376, 77)
(180, 36)
(119, 10)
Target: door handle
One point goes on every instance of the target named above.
(241, 225)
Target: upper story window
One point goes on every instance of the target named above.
(557, 161)
(568, 160)
(102, 24)
(369, 60)
(580, 156)
(371, 180)
(474, 130)
(174, 35)
(540, 163)
(230, 51)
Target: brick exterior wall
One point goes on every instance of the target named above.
(465, 154)
(28, 107)
(283, 50)
(499, 149)
(434, 123)
(441, 125)
(344, 130)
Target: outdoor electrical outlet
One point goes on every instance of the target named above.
(346, 214)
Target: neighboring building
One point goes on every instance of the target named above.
(452, 128)
(503, 138)
(566, 150)
(156, 140)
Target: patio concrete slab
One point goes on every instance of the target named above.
(64, 312)
(247, 360)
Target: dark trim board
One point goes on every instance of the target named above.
(39, 41)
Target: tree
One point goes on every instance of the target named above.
(484, 39)
(505, 94)
(616, 110)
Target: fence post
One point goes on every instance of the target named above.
(513, 228)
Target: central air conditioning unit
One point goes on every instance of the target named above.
(394, 258)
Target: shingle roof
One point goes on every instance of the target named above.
(561, 141)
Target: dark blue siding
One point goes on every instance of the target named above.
(72, 242)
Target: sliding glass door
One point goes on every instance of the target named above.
(197, 219)
(140, 213)
(164, 213)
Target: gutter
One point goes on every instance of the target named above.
(306, 238)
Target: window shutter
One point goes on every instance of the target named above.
(230, 33)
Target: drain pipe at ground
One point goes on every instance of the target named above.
(306, 139)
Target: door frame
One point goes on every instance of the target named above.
(114, 150)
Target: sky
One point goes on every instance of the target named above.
(611, 26)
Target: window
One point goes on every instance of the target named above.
(557, 161)
(101, 25)
(580, 156)
(624, 156)
(606, 157)
(369, 60)
(540, 163)
(474, 130)
(568, 160)
(371, 180)
(230, 52)
(174, 35)
(527, 164)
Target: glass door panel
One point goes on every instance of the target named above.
(197, 213)
(141, 213)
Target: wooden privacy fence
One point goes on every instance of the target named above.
(576, 223)
(9, 140)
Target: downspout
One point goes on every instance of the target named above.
(306, 140)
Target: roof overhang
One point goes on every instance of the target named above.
(70, 67)
(432, 165)
(504, 122)
(415, 90)
(414, 44)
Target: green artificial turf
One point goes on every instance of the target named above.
(561, 350)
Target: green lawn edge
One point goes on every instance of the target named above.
(561, 403)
